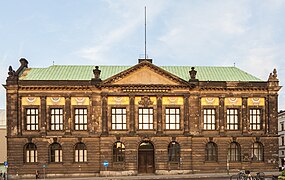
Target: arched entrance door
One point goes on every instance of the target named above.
(146, 158)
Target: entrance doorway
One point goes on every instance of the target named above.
(146, 158)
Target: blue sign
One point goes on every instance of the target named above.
(5, 163)
(105, 163)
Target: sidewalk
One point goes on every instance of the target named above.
(156, 177)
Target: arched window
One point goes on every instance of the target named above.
(118, 152)
(31, 154)
(173, 152)
(55, 152)
(80, 152)
(234, 152)
(257, 151)
(211, 152)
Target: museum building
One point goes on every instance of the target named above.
(67, 120)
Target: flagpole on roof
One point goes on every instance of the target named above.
(145, 32)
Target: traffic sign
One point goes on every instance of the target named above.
(106, 164)
(5, 163)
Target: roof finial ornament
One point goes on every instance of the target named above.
(192, 73)
(272, 79)
(274, 73)
(96, 73)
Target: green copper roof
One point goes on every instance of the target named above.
(59, 72)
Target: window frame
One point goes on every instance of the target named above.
(60, 124)
(147, 121)
(123, 115)
(211, 152)
(235, 117)
(260, 152)
(28, 153)
(52, 152)
(80, 153)
(174, 152)
(119, 152)
(84, 116)
(176, 116)
(253, 119)
(234, 152)
(213, 121)
(36, 116)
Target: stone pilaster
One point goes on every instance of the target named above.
(159, 114)
(132, 114)
(186, 114)
(44, 121)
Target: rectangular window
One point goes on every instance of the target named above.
(56, 122)
(209, 119)
(232, 119)
(282, 126)
(282, 141)
(32, 119)
(255, 119)
(145, 118)
(80, 116)
(172, 118)
(119, 118)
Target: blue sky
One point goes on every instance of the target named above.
(247, 33)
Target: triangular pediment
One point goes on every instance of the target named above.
(145, 73)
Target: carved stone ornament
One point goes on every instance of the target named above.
(97, 73)
(11, 73)
(192, 73)
(145, 101)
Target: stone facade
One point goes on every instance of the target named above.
(141, 120)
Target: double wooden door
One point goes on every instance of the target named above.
(146, 159)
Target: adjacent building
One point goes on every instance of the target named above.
(3, 143)
(281, 133)
(127, 120)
